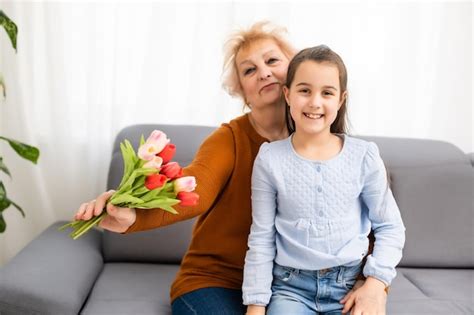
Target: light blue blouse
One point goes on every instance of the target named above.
(314, 215)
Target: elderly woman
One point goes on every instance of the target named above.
(210, 278)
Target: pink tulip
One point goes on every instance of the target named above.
(153, 145)
(147, 151)
(186, 183)
(159, 139)
(154, 163)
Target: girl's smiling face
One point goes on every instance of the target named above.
(262, 71)
(314, 97)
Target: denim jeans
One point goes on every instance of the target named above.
(209, 301)
(310, 292)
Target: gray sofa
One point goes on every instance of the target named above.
(107, 273)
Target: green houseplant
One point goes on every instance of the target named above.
(25, 151)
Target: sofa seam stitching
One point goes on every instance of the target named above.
(416, 285)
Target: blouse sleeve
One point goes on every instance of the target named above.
(258, 267)
(385, 218)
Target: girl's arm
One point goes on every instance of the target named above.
(258, 268)
(385, 219)
(212, 167)
(389, 232)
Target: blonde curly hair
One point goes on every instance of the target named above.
(242, 39)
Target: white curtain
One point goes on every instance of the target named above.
(83, 71)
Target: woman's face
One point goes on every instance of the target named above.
(262, 71)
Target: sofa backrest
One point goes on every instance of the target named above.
(432, 182)
(167, 244)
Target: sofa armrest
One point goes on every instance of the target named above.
(52, 275)
(471, 157)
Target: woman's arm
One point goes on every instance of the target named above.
(212, 167)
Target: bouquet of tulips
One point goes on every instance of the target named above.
(150, 180)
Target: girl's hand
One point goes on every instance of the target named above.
(117, 220)
(255, 310)
(366, 298)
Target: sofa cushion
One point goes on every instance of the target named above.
(147, 246)
(436, 206)
(129, 288)
(431, 291)
(167, 244)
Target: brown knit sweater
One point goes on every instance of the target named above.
(222, 167)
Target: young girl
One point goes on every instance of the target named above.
(315, 197)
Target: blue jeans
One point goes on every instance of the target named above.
(304, 292)
(209, 301)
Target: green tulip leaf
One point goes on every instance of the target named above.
(151, 194)
(159, 202)
(10, 27)
(24, 150)
(130, 161)
(169, 209)
(125, 199)
(140, 191)
(4, 168)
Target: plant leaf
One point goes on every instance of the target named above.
(3, 192)
(24, 150)
(5, 202)
(10, 27)
(3, 88)
(4, 168)
(3, 224)
(18, 207)
(142, 140)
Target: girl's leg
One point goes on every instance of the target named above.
(336, 285)
(209, 301)
(293, 292)
(284, 305)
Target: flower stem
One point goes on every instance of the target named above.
(87, 226)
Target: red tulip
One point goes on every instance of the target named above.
(188, 198)
(155, 181)
(167, 153)
(172, 170)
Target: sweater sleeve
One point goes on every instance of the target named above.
(212, 167)
(258, 267)
(385, 218)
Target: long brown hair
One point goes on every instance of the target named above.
(320, 54)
